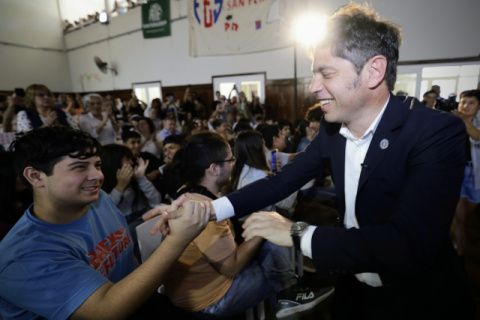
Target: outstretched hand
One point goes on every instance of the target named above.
(194, 218)
(162, 224)
(268, 225)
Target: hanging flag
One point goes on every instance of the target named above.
(156, 19)
(222, 27)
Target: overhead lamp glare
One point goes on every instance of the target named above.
(103, 18)
(309, 29)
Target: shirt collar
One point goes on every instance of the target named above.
(345, 132)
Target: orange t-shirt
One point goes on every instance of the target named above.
(194, 284)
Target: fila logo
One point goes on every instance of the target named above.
(304, 296)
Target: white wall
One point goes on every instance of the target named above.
(73, 10)
(432, 29)
(33, 24)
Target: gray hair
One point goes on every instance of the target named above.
(86, 99)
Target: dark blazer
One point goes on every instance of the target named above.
(406, 197)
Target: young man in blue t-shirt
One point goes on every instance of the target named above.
(70, 254)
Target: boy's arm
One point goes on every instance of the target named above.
(239, 258)
(119, 300)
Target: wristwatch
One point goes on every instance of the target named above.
(296, 232)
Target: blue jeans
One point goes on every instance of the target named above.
(260, 279)
(468, 187)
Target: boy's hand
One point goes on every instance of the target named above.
(194, 218)
(162, 224)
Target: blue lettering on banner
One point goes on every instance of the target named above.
(211, 11)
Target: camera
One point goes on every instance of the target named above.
(448, 104)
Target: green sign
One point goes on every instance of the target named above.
(156, 19)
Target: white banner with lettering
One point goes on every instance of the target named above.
(223, 27)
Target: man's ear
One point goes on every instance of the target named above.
(35, 177)
(212, 169)
(377, 67)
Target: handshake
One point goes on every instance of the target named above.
(183, 220)
(187, 216)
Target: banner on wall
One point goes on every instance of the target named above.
(223, 27)
(156, 19)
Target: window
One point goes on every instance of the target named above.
(406, 83)
(252, 84)
(147, 91)
(452, 78)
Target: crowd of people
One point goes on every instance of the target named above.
(141, 170)
(90, 169)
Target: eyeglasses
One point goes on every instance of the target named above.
(232, 159)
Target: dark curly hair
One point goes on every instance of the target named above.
(43, 148)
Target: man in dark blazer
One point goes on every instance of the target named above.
(397, 168)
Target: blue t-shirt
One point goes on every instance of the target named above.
(49, 270)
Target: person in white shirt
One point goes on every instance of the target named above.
(100, 124)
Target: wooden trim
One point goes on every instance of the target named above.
(436, 61)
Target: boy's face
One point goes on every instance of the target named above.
(279, 142)
(143, 127)
(134, 145)
(469, 106)
(223, 128)
(430, 99)
(74, 182)
(170, 149)
(286, 131)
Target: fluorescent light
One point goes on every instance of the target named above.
(103, 18)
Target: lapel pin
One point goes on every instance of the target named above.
(384, 144)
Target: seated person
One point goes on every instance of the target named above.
(221, 127)
(167, 183)
(169, 128)
(286, 128)
(71, 255)
(172, 144)
(251, 165)
(215, 277)
(133, 141)
(275, 141)
(125, 182)
(40, 110)
(100, 124)
(149, 139)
